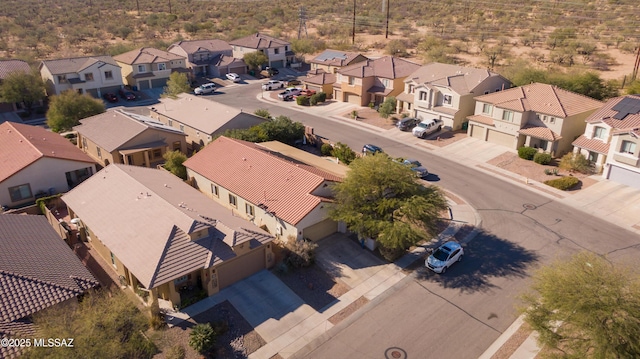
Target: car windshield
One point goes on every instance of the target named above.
(441, 254)
(423, 125)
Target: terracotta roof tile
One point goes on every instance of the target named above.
(193, 46)
(8, 67)
(386, 67)
(481, 119)
(22, 145)
(462, 80)
(591, 144)
(540, 132)
(337, 58)
(261, 177)
(75, 64)
(146, 55)
(322, 78)
(606, 113)
(259, 41)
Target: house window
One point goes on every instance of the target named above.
(157, 153)
(249, 209)
(233, 200)
(182, 128)
(628, 147)
(162, 66)
(412, 88)
(352, 80)
(544, 144)
(84, 143)
(214, 190)
(177, 146)
(423, 96)
(552, 120)
(113, 260)
(108, 75)
(142, 68)
(62, 79)
(88, 76)
(286, 48)
(598, 132)
(385, 82)
(180, 279)
(593, 156)
(543, 118)
(276, 51)
(19, 193)
(170, 122)
(99, 152)
(486, 108)
(507, 115)
(408, 105)
(447, 100)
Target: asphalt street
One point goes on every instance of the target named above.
(458, 314)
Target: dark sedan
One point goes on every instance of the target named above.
(127, 95)
(407, 123)
(110, 97)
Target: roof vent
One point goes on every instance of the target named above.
(244, 159)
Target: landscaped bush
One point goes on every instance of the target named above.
(313, 100)
(326, 149)
(527, 152)
(322, 96)
(302, 100)
(542, 158)
(563, 183)
(299, 253)
(202, 338)
(575, 162)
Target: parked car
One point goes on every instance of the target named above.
(370, 149)
(427, 127)
(110, 97)
(307, 93)
(205, 89)
(293, 82)
(407, 123)
(444, 257)
(273, 85)
(416, 167)
(127, 95)
(289, 93)
(232, 76)
(272, 71)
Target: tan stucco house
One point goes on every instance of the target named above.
(330, 61)
(35, 162)
(285, 196)
(446, 92)
(146, 67)
(211, 57)
(372, 81)
(118, 136)
(163, 237)
(610, 140)
(94, 75)
(278, 52)
(536, 115)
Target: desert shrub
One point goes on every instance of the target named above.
(299, 253)
(313, 100)
(354, 114)
(175, 352)
(575, 162)
(542, 158)
(344, 153)
(322, 96)
(302, 100)
(263, 113)
(527, 152)
(548, 172)
(202, 338)
(326, 149)
(563, 183)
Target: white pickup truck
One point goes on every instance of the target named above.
(273, 85)
(427, 127)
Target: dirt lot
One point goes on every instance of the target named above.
(371, 117)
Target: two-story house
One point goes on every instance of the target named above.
(95, 75)
(285, 196)
(536, 115)
(446, 92)
(211, 57)
(610, 140)
(372, 81)
(35, 162)
(117, 136)
(201, 119)
(146, 67)
(330, 61)
(278, 52)
(163, 237)
(9, 67)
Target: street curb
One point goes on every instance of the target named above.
(502, 339)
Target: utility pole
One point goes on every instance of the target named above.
(303, 22)
(353, 31)
(169, 6)
(138, 6)
(386, 34)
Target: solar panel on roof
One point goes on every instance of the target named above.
(330, 55)
(625, 107)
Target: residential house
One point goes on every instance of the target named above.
(372, 81)
(94, 75)
(330, 61)
(146, 67)
(287, 197)
(297, 155)
(535, 115)
(35, 162)
(322, 82)
(118, 136)
(164, 237)
(446, 92)
(201, 119)
(211, 57)
(8, 67)
(278, 52)
(38, 271)
(610, 140)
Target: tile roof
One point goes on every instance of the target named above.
(21, 145)
(76, 64)
(334, 58)
(146, 55)
(481, 119)
(406, 97)
(542, 98)
(606, 113)
(259, 41)
(461, 79)
(111, 130)
(261, 177)
(202, 114)
(8, 67)
(223, 60)
(194, 46)
(37, 268)
(540, 132)
(321, 79)
(145, 216)
(591, 144)
(388, 67)
(296, 154)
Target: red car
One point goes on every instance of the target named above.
(307, 93)
(110, 97)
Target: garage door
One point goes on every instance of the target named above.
(477, 132)
(239, 69)
(157, 83)
(144, 85)
(352, 98)
(239, 268)
(111, 89)
(624, 176)
(93, 92)
(500, 138)
(277, 64)
(320, 230)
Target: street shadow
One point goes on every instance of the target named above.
(314, 286)
(485, 257)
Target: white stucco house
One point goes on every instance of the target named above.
(94, 75)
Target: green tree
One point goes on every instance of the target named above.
(202, 338)
(255, 59)
(344, 153)
(388, 107)
(178, 83)
(26, 88)
(67, 109)
(283, 129)
(263, 113)
(381, 199)
(104, 325)
(586, 308)
(174, 163)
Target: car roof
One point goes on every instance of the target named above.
(451, 246)
(372, 147)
